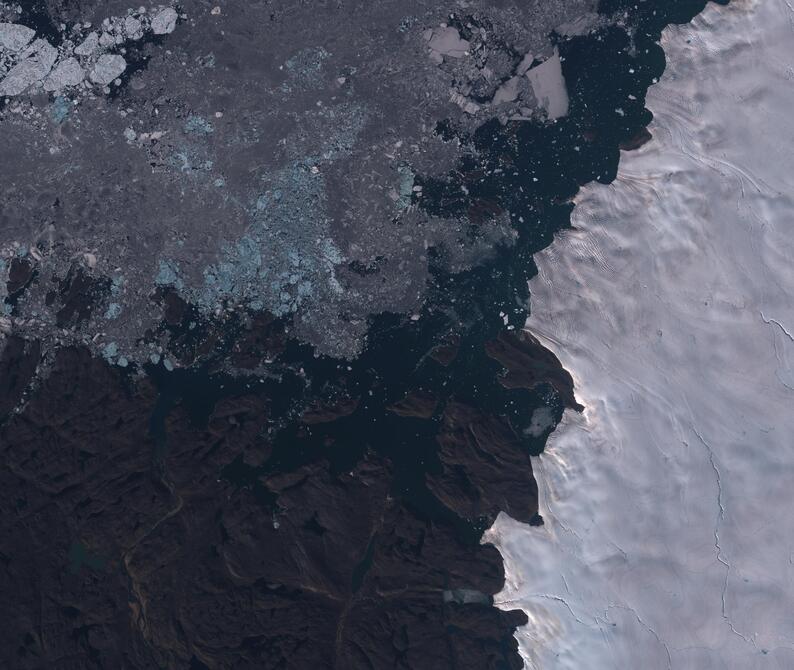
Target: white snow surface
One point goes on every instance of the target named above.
(669, 504)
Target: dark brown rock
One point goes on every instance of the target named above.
(528, 363)
(416, 404)
(485, 468)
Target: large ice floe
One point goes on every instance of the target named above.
(669, 534)
(28, 69)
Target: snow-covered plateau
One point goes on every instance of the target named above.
(669, 503)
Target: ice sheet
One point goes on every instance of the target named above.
(669, 518)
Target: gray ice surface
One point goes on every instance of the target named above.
(66, 73)
(35, 64)
(107, 68)
(164, 21)
(549, 87)
(101, 54)
(88, 45)
(15, 37)
(446, 41)
(266, 154)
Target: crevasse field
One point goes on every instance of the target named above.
(669, 504)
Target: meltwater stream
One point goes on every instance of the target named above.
(669, 535)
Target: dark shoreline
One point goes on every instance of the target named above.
(329, 514)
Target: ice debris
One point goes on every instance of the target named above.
(110, 350)
(168, 274)
(28, 64)
(133, 28)
(113, 311)
(285, 260)
(164, 22)
(446, 41)
(88, 45)
(35, 64)
(60, 109)
(198, 125)
(15, 37)
(548, 84)
(67, 73)
(107, 68)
